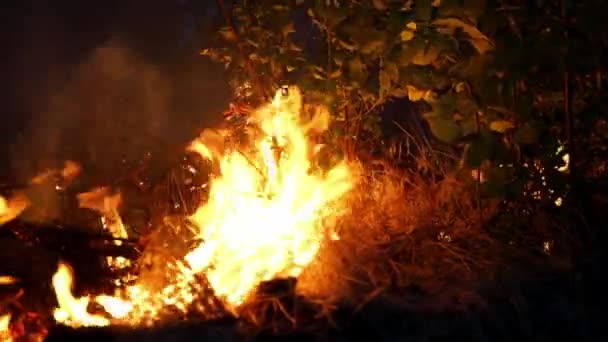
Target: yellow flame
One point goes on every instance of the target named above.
(72, 311)
(5, 332)
(264, 219)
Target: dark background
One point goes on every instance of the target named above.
(101, 82)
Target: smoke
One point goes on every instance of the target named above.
(115, 108)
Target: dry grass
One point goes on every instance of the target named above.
(404, 232)
(411, 243)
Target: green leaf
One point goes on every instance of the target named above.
(385, 82)
(393, 71)
(501, 182)
(423, 9)
(228, 34)
(524, 107)
(482, 147)
(330, 16)
(370, 41)
(426, 54)
(380, 4)
(396, 21)
(476, 66)
(288, 28)
(415, 94)
(443, 129)
(357, 70)
(527, 134)
(454, 8)
(469, 126)
(407, 35)
(466, 104)
(346, 45)
(339, 57)
(420, 77)
(479, 40)
(501, 126)
(444, 107)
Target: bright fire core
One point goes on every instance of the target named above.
(266, 217)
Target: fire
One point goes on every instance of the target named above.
(12, 208)
(265, 211)
(5, 332)
(266, 217)
(72, 311)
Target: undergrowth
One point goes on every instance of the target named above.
(404, 230)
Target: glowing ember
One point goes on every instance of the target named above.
(264, 219)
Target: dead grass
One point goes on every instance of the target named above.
(414, 241)
(404, 231)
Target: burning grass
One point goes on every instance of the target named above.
(267, 213)
(353, 235)
(404, 232)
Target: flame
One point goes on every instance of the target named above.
(11, 209)
(264, 215)
(265, 218)
(72, 311)
(5, 332)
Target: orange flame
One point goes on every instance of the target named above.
(11, 209)
(5, 332)
(72, 311)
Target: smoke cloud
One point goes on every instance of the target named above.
(115, 107)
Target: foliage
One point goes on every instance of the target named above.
(489, 75)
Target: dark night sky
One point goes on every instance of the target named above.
(55, 79)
